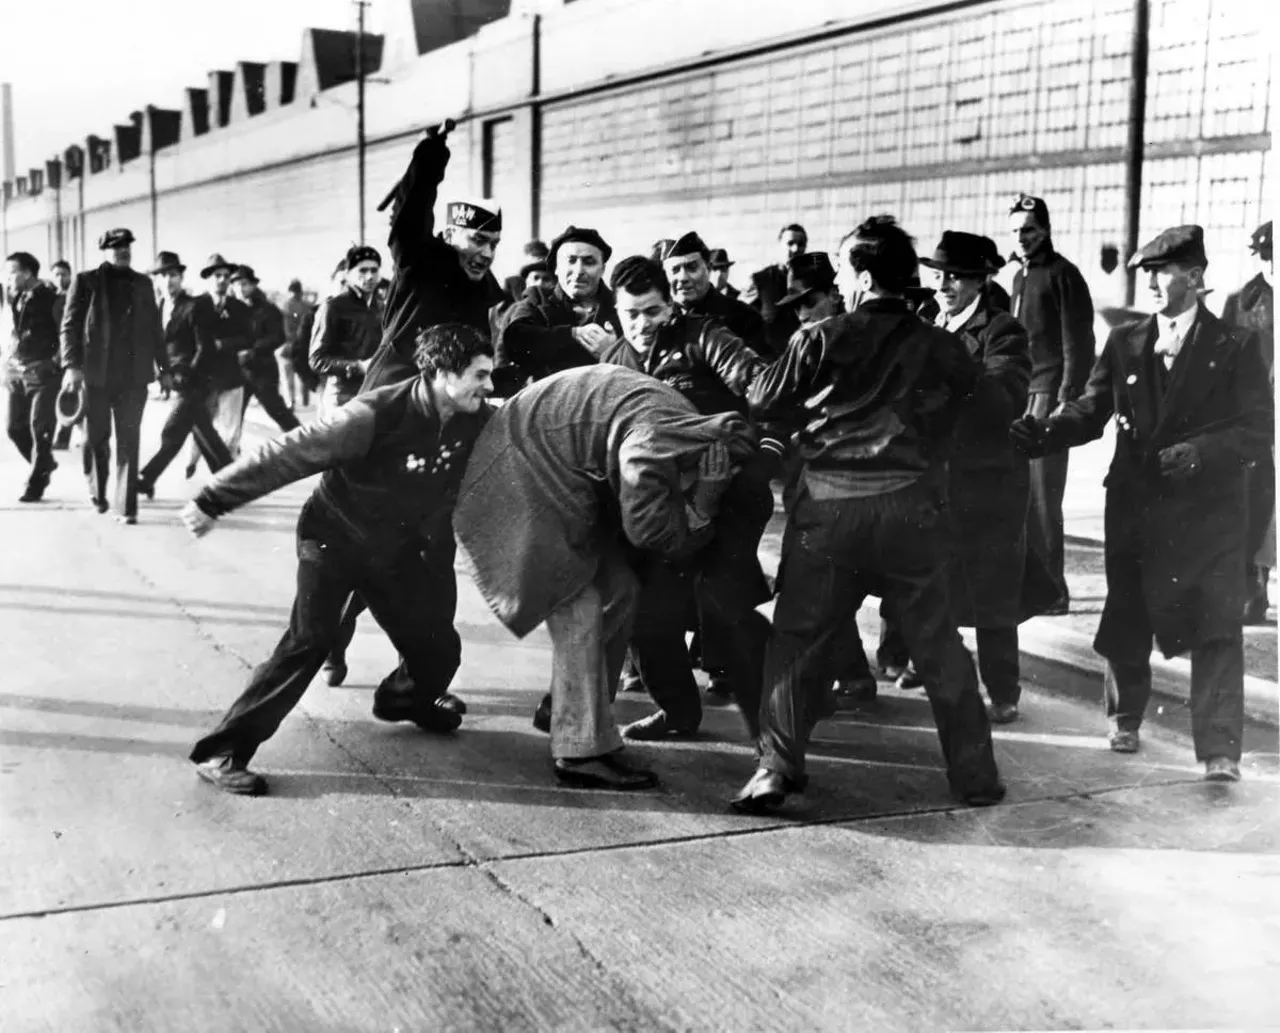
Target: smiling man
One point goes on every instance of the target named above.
(377, 524)
(687, 263)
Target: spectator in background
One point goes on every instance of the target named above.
(720, 266)
(231, 329)
(348, 329)
(996, 295)
(258, 362)
(769, 284)
(62, 283)
(294, 310)
(515, 286)
(31, 369)
(1050, 299)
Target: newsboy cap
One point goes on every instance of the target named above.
(807, 273)
(168, 261)
(1260, 244)
(578, 235)
(244, 272)
(1183, 245)
(215, 262)
(119, 237)
(964, 254)
(719, 258)
(689, 244)
(482, 213)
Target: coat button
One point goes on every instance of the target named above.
(1131, 379)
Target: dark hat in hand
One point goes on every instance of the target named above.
(689, 244)
(578, 235)
(115, 238)
(168, 262)
(214, 263)
(807, 273)
(719, 258)
(1181, 245)
(963, 254)
(70, 406)
(1260, 244)
(246, 273)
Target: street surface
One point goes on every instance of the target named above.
(397, 881)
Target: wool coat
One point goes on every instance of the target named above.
(86, 332)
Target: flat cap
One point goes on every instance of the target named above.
(482, 213)
(578, 235)
(689, 244)
(1181, 244)
(1260, 243)
(719, 258)
(120, 237)
(538, 265)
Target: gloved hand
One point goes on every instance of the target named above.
(714, 474)
(1030, 435)
(1179, 462)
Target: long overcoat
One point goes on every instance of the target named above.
(86, 331)
(1175, 549)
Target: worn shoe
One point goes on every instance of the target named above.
(127, 519)
(981, 796)
(147, 489)
(1123, 741)
(1002, 713)
(855, 693)
(231, 776)
(101, 505)
(430, 717)
(31, 494)
(1221, 769)
(452, 703)
(910, 678)
(605, 772)
(542, 716)
(764, 792)
(655, 727)
(719, 689)
(334, 671)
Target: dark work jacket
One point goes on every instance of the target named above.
(1186, 537)
(35, 331)
(348, 328)
(266, 334)
(429, 286)
(232, 336)
(768, 287)
(300, 349)
(741, 320)
(536, 336)
(86, 332)
(188, 342)
(391, 473)
(1252, 308)
(1051, 299)
(881, 390)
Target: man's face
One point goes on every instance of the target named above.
(816, 306)
(468, 389)
(955, 293)
(851, 284)
(169, 283)
(122, 257)
(1028, 235)
(475, 248)
(1173, 288)
(62, 276)
(641, 316)
(792, 244)
(719, 277)
(579, 267)
(244, 289)
(364, 277)
(16, 278)
(219, 281)
(539, 278)
(690, 278)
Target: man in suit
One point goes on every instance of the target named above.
(188, 340)
(232, 328)
(685, 261)
(720, 266)
(258, 362)
(1193, 407)
(769, 285)
(112, 348)
(31, 370)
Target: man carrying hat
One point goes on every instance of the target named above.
(188, 341)
(112, 348)
(1192, 403)
(1252, 308)
(258, 362)
(348, 328)
(565, 325)
(685, 261)
(720, 266)
(1052, 300)
(444, 279)
(31, 369)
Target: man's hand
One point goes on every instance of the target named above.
(1030, 435)
(72, 380)
(363, 366)
(1179, 462)
(197, 521)
(714, 474)
(594, 338)
(166, 386)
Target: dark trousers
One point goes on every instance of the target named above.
(121, 407)
(832, 552)
(664, 611)
(266, 389)
(413, 600)
(33, 417)
(1048, 487)
(998, 664)
(189, 414)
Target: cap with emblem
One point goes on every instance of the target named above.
(1181, 245)
(719, 258)
(214, 263)
(578, 235)
(168, 262)
(689, 244)
(1035, 205)
(358, 253)
(246, 273)
(807, 273)
(115, 238)
(963, 254)
(479, 214)
(1260, 243)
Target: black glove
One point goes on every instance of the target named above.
(1031, 436)
(1179, 462)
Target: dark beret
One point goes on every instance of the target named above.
(578, 235)
(115, 238)
(689, 244)
(361, 253)
(1183, 245)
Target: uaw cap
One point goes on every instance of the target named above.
(807, 273)
(168, 262)
(478, 214)
(215, 262)
(358, 253)
(689, 244)
(719, 258)
(120, 237)
(1181, 244)
(964, 254)
(1260, 243)
(244, 272)
(1030, 203)
(578, 235)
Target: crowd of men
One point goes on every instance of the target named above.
(918, 434)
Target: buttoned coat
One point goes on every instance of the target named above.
(86, 331)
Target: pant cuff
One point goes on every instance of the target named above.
(564, 748)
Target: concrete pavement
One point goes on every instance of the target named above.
(395, 881)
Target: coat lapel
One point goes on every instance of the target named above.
(1192, 375)
(971, 332)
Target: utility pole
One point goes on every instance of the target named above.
(1136, 141)
(360, 140)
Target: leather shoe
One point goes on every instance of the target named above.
(452, 703)
(147, 489)
(855, 693)
(980, 796)
(656, 726)
(1002, 713)
(430, 717)
(892, 672)
(32, 494)
(910, 678)
(127, 519)
(334, 671)
(231, 776)
(719, 688)
(1221, 769)
(101, 505)
(1123, 741)
(606, 772)
(542, 716)
(764, 792)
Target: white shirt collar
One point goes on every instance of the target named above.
(1180, 325)
(955, 322)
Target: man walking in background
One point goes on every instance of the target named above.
(294, 310)
(258, 361)
(31, 369)
(231, 329)
(348, 328)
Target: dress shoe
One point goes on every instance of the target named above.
(334, 671)
(980, 796)
(1221, 769)
(764, 792)
(430, 717)
(855, 693)
(147, 489)
(720, 688)
(605, 772)
(1002, 713)
(31, 494)
(101, 505)
(542, 716)
(1124, 741)
(452, 703)
(128, 519)
(231, 776)
(657, 726)
(910, 678)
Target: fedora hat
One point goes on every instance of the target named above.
(70, 406)
(807, 273)
(719, 258)
(965, 254)
(215, 262)
(244, 272)
(167, 261)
